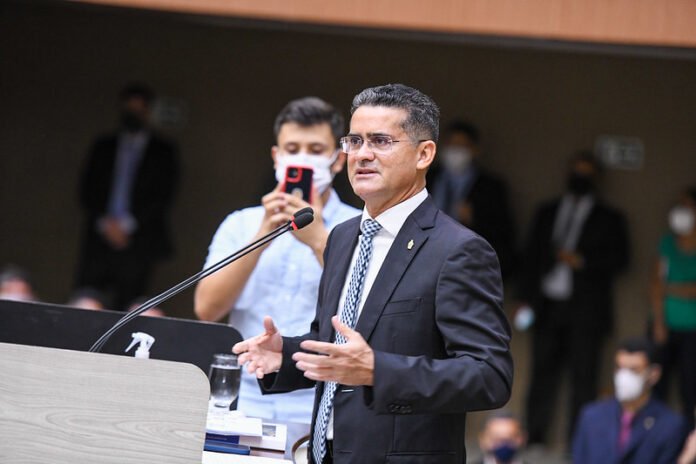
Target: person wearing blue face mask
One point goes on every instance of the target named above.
(282, 277)
(502, 438)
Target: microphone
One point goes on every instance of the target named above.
(300, 219)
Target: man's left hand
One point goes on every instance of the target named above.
(352, 363)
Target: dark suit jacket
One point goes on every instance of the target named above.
(151, 197)
(603, 244)
(657, 435)
(441, 342)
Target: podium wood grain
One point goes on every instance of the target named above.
(62, 406)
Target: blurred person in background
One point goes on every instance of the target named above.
(126, 191)
(152, 312)
(502, 439)
(576, 247)
(475, 197)
(16, 284)
(633, 427)
(87, 298)
(673, 295)
(280, 279)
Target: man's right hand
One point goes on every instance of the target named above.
(262, 354)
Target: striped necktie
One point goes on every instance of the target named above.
(348, 316)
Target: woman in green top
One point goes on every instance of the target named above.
(673, 295)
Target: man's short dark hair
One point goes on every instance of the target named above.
(138, 90)
(639, 345)
(423, 120)
(459, 126)
(310, 111)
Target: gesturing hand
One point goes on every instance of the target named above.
(262, 354)
(349, 364)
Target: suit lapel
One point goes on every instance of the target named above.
(412, 236)
(642, 425)
(339, 267)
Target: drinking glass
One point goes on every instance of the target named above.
(224, 381)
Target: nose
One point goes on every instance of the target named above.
(364, 152)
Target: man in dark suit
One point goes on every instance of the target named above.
(576, 247)
(409, 333)
(126, 190)
(474, 196)
(633, 427)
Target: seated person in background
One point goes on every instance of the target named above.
(633, 427)
(501, 439)
(152, 312)
(280, 279)
(15, 284)
(87, 298)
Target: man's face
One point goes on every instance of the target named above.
(314, 140)
(637, 363)
(462, 140)
(385, 179)
(501, 431)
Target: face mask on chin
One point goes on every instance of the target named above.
(628, 385)
(320, 165)
(681, 220)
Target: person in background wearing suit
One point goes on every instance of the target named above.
(576, 247)
(633, 427)
(126, 191)
(472, 195)
(501, 439)
(409, 333)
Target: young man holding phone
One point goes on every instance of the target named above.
(281, 278)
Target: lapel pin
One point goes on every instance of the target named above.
(410, 244)
(648, 423)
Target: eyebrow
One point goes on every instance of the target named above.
(370, 134)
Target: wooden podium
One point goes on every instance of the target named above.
(63, 406)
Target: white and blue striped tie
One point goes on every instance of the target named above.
(348, 316)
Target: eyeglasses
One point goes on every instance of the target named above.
(377, 143)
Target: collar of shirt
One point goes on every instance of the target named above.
(393, 219)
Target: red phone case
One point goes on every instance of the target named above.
(298, 181)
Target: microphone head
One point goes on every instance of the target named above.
(302, 211)
(302, 220)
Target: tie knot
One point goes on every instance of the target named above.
(369, 228)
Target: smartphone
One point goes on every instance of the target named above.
(298, 182)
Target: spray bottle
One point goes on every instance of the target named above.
(145, 341)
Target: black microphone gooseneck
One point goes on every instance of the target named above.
(300, 219)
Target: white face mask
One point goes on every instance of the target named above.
(456, 159)
(628, 385)
(681, 220)
(321, 165)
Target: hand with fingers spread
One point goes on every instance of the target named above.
(261, 354)
(349, 364)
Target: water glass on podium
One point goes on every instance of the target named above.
(224, 381)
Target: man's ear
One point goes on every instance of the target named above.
(274, 154)
(426, 154)
(340, 162)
